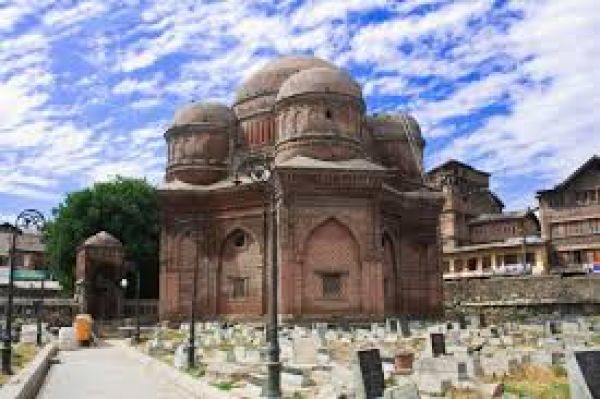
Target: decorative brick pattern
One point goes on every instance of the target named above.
(342, 179)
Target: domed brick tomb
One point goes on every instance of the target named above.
(357, 225)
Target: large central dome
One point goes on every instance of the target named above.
(269, 79)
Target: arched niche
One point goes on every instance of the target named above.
(240, 275)
(331, 270)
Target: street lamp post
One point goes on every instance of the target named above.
(124, 283)
(260, 169)
(27, 219)
(194, 224)
(39, 308)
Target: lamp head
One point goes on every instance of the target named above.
(124, 283)
(260, 172)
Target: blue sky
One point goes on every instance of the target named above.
(87, 88)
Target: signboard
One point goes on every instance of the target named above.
(25, 275)
(371, 370)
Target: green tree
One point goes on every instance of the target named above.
(126, 208)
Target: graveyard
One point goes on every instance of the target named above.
(400, 358)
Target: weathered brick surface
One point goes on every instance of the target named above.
(357, 178)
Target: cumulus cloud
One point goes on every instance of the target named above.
(87, 88)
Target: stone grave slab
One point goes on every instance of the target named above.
(305, 351)
(584, 371)
(369, 378)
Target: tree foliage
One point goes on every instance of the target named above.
(126, 208)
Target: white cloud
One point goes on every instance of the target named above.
(59, 17)
(313, 13)
(82, 100)
(144, 103)
(129, 86)
(543, 132)
(10, 16)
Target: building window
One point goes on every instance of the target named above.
(472, 264)
(19, 260)
(328, 114)
(486, 262)
(458, 265)
(511, 259)
(239, 287)
(530, 258)
(595, 226)
(446, 266)
(577, 257)
(332, 285)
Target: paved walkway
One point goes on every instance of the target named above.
(105, 372)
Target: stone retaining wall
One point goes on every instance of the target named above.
(26, 384)
(521, 297)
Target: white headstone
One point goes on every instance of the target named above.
(66, 339)
(29, 333)
(305, 350)
(180, 358)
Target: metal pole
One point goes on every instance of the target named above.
(192, 343)
(273, 367)
(137, 303)
(7, 338)
(40, 309)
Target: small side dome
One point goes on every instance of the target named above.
(388, 126)
(102, 239)
(319, 80)
(196, 113)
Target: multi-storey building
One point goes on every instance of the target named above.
(30, 250)
(467, 196)
(478, 238)
(570, 219)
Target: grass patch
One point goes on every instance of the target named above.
(173, 335)
(538, 382)
(527, 389)
(224, 385)
(21, 355)
(196, 372)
